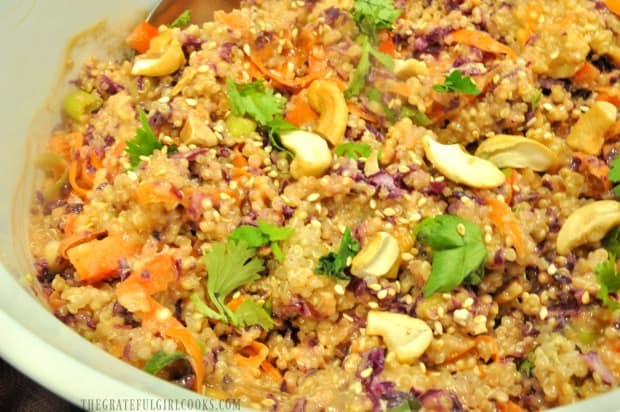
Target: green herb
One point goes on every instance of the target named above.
(458, 250)
(334, 264)
(536, 96)
(456, 82)
(160, 360)
(526, 367)
(375, 95)
(361, 71)
(385, 59)
(612, 241)
(416, 116)
(407, 405)
(145, 142)
(260, 103)
(263, 234)
(183, 20)
(373, 15)
(614, 174)
(229, 265)
(250, 313)
(353, 150)
(609, 281)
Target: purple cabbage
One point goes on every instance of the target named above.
(376, 389)
(440, 400)
(263, 39)
(431, 42)
(190, 155)
(332, 15)
(191, 44)
(106, 86)
(226, 51)
(596, 365)
(383, 180)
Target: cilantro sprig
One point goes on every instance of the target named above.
(609, 281)
(252, 313)
(160, 360)
(264, 233)
(455, 82)
(333, 264)
(260, 103)
(353, 150)
(614, 174)
(459, 253)
(184, 19)
(145, 142)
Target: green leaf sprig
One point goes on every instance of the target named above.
(609, 281)
(160, 360)
(353, 150)
(145, 142)
(614, 174)
(455, 82)
(264, 233)
(184, 19)
(458, 250)
(333, 265)
(251, 313)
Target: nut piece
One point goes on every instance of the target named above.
(325, 97)
(458, 165)
(405, 336)
(518, 152)
(312, 155)
(164, 56)
(589, 223)
(195, 131)
(380, 256)
(404, 69)
(588, 134)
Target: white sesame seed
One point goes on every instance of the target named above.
(403, 169)
(349, 260)
(373, 204)
(552, 269)
(461, 316)
(246, 49)
(347, 317)
(416, 217)
(488, 238)
(585, 298)
(162, 314)
(373, 305)
(461, 229)
(382, 294)
(224, 196)
(164, 99)
(366, 373)
(406, 256)
(313, 197)
(388, 211)
(468, 302)
(543, 313)
(339, 289)
(203, 68)
(374, 286)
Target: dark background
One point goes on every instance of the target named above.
(19, 393)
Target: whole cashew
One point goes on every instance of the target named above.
(589, 223)
(325, 97)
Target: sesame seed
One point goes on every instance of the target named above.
(403, 169)
(468, 302)
(163, 314)
(203, 68)
(374, 286)
(224, 196)
(461, 229)
(416, 217)
(164, 99)
(373, 305)
(349, 260)
(488, 238)
(233, 185)
(543, 313)
(246, 49)
(313, 197)
(191, 102)
(347, 317)
(373, 204)
(461, 316)
(339, 289)
(388, 211)
(382, 294)
(406, 256)
(552, 269)
(585, 298)
(366, 373)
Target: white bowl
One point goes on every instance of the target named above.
(35, 36)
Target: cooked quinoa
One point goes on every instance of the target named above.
(381, 264)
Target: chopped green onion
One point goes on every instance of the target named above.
(240, 127)
(80, 103)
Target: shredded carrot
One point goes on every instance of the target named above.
(271, 371)
(386, 44)
(239, 160)
(506, 222)
(301, 112)
(141, 36)
(481, 40)
(509, 407)
(74, 167)
(233, 304)
(609, 94)
(72, 240)
(360, 112)
(489, 340)
(400, 88)
(277, 77)
(98, 259)
(233, 20)
(613, 5)
(156, 191)
(510, 181)
(69, 226)
(59, 144)
(533, 12)
(586, 74)
(252, 356)
(457, 355)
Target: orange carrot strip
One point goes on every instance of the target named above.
(609, 94)
(587, 73)
(510, 181)
(156, 191)
(481, 40)
(386, 44)
(456, 355)
(533, 12)
(73, 175)
(235, 303)
(74, 239)
(256, 353)
(509, 407)
(507, 223)
(58, 144)
(98, 259)
(361, 113)
(141, 36)
(296, 83)
(232, 20)
(490, 341)
(271, 371)
(613, 5)
(301, 112)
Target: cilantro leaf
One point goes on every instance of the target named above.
(145, 142)
(250, 313)
(614, 174)
(255, 100)
(385, 59)
(609, 281)
(334, 264)
(184, 19)
(373, 15)
(230, 265)
(361, 71)
(535, 99)
(407, 405)
(263, 234)
(456, 82)
(353, 150)
(526, 367)
(459, 253)
(160, 360)
(611, 241)
(375, 95)
(416, 116)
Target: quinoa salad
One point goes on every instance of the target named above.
(365, 205)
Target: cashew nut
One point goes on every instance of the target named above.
(325, 97)
(164, 56)
(195, 131)
(459, 166)
(405, 336)
(589, 223)
(312, 155)
(518, 152)
(380, 256)
(404, 69)
(588, 134)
